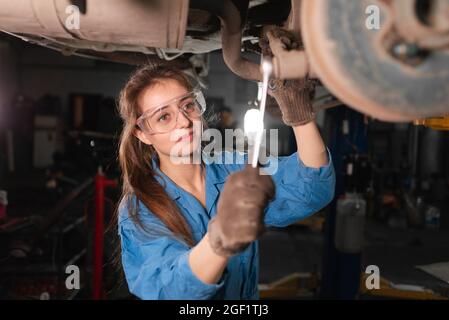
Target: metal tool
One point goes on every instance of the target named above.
(267, 68)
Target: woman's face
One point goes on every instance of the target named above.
(182, 140)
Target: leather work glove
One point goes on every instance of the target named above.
(240, 211)
(294, 97)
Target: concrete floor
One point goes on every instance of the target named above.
(287, 250)
(395, 251)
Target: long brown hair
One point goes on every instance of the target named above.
(135, 157)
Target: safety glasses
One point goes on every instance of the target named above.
(164, 117)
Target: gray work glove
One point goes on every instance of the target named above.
(240, 211)
(294, 97)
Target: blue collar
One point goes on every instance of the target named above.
(170, 187)
(215, 175)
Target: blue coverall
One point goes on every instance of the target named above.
(156, 264)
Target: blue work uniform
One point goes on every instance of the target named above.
(156, 263)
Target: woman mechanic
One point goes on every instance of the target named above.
(189, 230)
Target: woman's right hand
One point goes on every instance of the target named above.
(240, 211)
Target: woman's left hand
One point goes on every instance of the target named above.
(294, 97)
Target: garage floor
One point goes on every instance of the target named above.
(395, 251)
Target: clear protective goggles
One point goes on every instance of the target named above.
(164, 117)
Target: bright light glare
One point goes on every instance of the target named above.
(252, 122)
